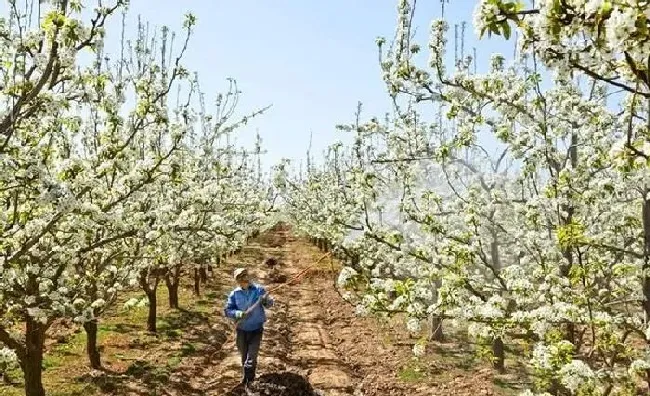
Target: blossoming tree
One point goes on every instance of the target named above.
(554, 254)
(93, 156)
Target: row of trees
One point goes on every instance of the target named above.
(115, 174)
(544, 240)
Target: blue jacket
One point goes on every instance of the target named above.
(240, 300)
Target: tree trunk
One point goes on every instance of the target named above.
(646, 259)
(197, 282)
(204, 274)
(172, 280)
(33, 363)
(151, 317)
(498, 351)
(172, 290)
(92, 350)
(150, 291)
(497, 344)
(565, 268)
(173, 297)
(570, 328)
(436, 333)
(645, 212)
(354, 261)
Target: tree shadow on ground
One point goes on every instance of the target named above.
(513, 383)
(195, 338)
(277, 384)
(141, 378)
(181, 319)
(461, 354)
(124, 328)
(199, 337)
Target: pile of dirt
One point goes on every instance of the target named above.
(277, 277)
(276, 384)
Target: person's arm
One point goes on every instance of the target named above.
(231, 307)
(267, 301)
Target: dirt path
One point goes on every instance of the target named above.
(313, 343)
(297, 336)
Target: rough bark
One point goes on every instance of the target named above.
(498, 350)
(172, 291)
(197, 282)
(92, 349)
(645, 213)
(436, 332)
(151, 316)
(150, 290)
(32, 364)
(565, 268)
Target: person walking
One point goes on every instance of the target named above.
(245, 305)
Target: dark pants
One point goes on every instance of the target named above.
(248, 344)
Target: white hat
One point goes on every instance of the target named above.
(240, 272)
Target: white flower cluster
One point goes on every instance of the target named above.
(8, 360)
(577, 375)
(345, 275)
(7, 357)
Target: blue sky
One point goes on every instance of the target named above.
(312, 60)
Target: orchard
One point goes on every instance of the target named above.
(510, 205)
